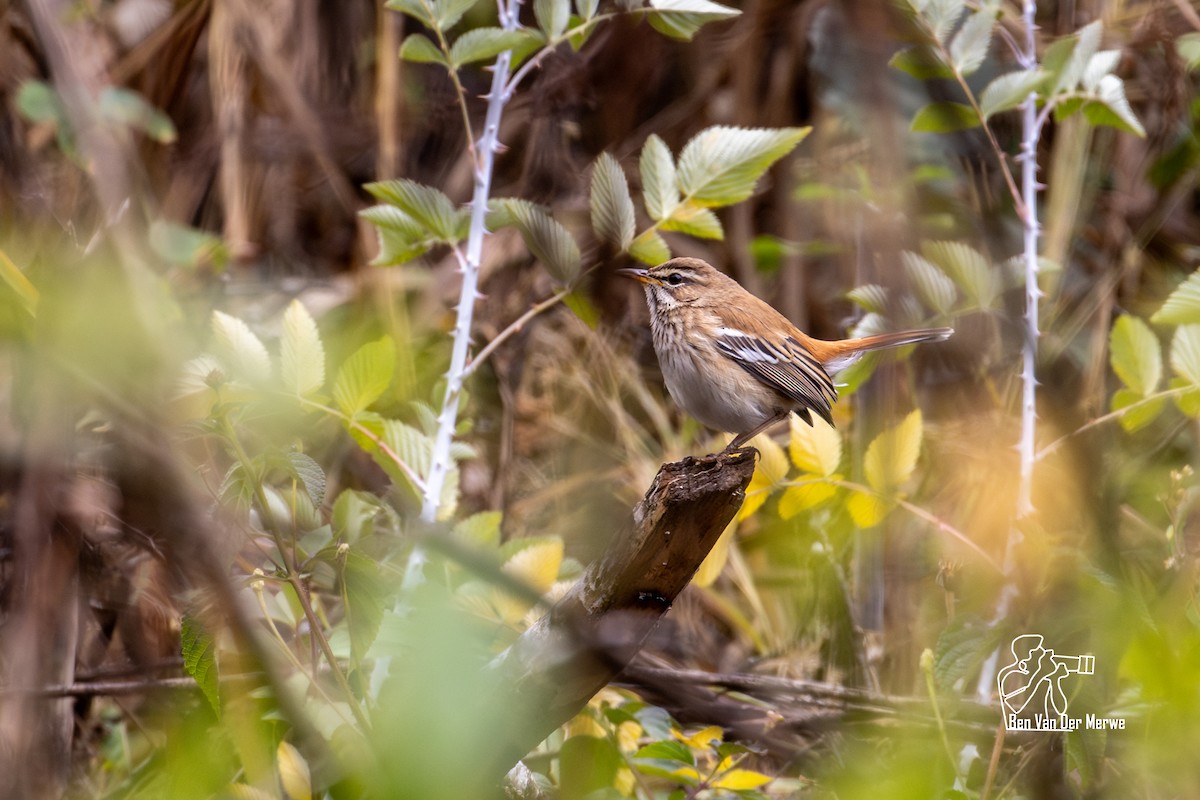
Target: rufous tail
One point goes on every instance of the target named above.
(842, 354)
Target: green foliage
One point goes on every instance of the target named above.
(200, 659)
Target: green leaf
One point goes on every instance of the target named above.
(1087, 42)
(611, 204)
(482, 529)
(935, 289)
(657, 167)
(199, 652)
(309, 472)
(1142, 412)
(365, 376)
(694, 220)
(1100, 64)
(945, 117)
(420, 49)
(552, 16)
(240, 350)
(969, 46)
(968, 268)
(681, 19)
(940, 16)
(870, 297)
(589, 764)
(449, 12)
(721, 165)
(650, 248)
(302, 354)
(1183, 305)
(1185, 353)
(426, 205)
(961, 648)
(1009, 91)
(1111, 107)
(921, 63)
(1135, 355)
(481, 44)
(545, 237)
(401, 238)
(411, 446)
(584, 308)
(587, 8)
(892, 456)
(1188, 47)
(127, 107)
(38, 102)
(1187, 402)
(364, 593)
(420, 10)
(667, 750)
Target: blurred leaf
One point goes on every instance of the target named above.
(364, 596)
(127, 107)
(428, 206)
(583, 308)
(939, 15)
(552, 16)
(482, 529)
(293, 772)
(1111, 107)
(667, 750)
(1009, 91)
(1183, 306)
(892, 456)
(650, 248)
(866, 510)
(740, 779)
(587, 8)
(242, 351)
(401, 238)
(970, 44)
(449, 12)
(702, 739)
(714, 563)
(961, 648)
(417, 9)
(305, 468)
(1100, 64)
(481, 44)
(869, 297)
(1141, 416)
(1188, 47)
(1077, 56)
(1185, 353)
(537, 565)
(816, 448)
(588, 764)
(185, 246)
(1085, 751)
(659, 188)
(199, 653)
(695, 221)
(25, 292)
(411, 446)
(611, 204)
(1188, 402)
(721, 165)
(804, 495)
(921, 63)
(944, 117)
(968, 268)
(935, 289)
(1135, 354)
(681, 19)
(38, 102)
(420, 49)
(365, 376)
(301, 352)
(770, 471)
(546, 238)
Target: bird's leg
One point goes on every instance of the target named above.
(742, 438)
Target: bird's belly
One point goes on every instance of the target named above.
(727, 398)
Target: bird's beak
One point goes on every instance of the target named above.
(640, 275)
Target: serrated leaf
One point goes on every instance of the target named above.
(481, 44)
(294, 775)
(941, 16)
(586, 8)
(1142, 411)
(1112, 108)
(805, 495)
(970, 44)
(769, 472)
(537, 565)
(892, 456)
(961, 648)
(240, 350)
(401, 238)
(364, 595)
(944, 117)
(1100, 64)
(816, 448)
(302, 354)
(449, 12)
(1009, 91)
(681, 19)
(1086, 43)
(968, 269)
(1182, 307)
(935, 289)
(482, 529)
(1135, 354)
(420, 49)
(694, 220)
(721, 165)
(921, 63)
(365, 376)
(199, 652)
(866, 509)
(650, 248)
(1185, 353)
(546, 238)
(870, 297)
(611, 204)
(411, 446)
(552, 16)
(428, 206)
(420, 10)
(310, 474)
(659, 189)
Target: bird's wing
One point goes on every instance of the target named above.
(786, 366)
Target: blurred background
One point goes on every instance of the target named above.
(161, 160)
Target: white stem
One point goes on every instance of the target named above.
(488, 144)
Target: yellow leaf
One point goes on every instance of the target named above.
(714, 562)
(243, 791)
(815, 448)
(892, 457)
(537, 565)
(803, 496)
(584, 724)
(769, 472)
(701, 739)
(628, 734)
(293, 773)
(739, 779)
(867, 510)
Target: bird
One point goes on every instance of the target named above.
(734, 362)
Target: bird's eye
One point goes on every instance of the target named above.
(674, 279)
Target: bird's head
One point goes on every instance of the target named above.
(680, 281)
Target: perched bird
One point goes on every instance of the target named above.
(735, 363)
